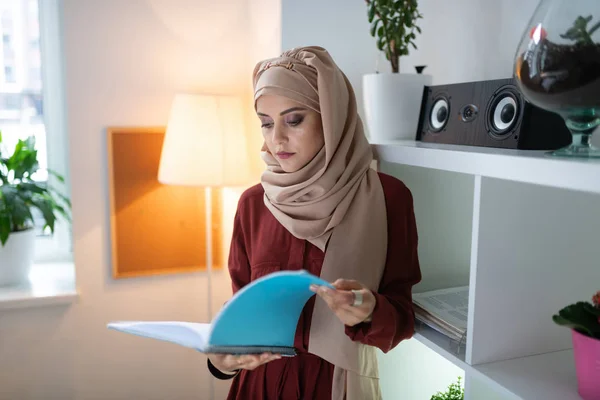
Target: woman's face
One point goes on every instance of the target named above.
(293, 133)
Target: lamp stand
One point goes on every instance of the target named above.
(209, 258)
(208, 208)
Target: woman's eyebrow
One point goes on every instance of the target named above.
(289, 110)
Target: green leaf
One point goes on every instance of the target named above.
(62, 197)
(371, 12)
(374, 27)
(4, 227)
(381, 32)
(16, 206)
(31, 187)
(594, 28)
(581, 22)
(381, 43)
(4, 220)
(23, 161)
(46, 206)
(591, 309)
(576, 316)
(55, 174)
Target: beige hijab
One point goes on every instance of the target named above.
(336, 202)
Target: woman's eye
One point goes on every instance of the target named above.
(295, 121)
(266, 125)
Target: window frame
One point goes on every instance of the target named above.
(57, 247)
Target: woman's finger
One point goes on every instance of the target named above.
(335, 298)
(260, 360)
(350, 318)
(347, 284)
(252, 361)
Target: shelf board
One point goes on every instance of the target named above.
(546, 376)
(549, 376)
(535, 167)
(441, 344)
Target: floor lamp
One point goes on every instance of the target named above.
(205, 146)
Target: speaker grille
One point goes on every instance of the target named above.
(503, 112)
(440, 112)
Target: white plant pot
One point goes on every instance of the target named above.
(16, 258)
(392, 105)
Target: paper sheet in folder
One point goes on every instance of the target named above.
(261, 317)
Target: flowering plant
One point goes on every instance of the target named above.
(582, 316)
(455, 392)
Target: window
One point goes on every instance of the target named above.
(30, 64)
(9, 74)
(21, 89)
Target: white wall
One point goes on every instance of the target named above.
(125, 60)
(462, 40)
(413, 371)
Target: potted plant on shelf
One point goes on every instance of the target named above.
(584, 320)
(19, 195)
(455, 392)
(392, 100)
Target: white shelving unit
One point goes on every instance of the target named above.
(520, 228)
(534, 167)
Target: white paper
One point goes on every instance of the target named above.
(188, 334)
(450, 305)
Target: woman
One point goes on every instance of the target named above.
(320, 207)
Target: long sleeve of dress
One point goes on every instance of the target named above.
(393, 316)
(239, 266)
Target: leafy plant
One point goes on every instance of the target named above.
(455, 392)
(19, 193)
(393, 24)
(582, 316)
(579, 32)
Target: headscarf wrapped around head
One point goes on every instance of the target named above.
(336, 202)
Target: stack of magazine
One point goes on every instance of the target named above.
(444, 310)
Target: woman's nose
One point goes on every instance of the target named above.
(279, 135)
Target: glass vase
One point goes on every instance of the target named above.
(557, 68)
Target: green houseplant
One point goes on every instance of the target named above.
(455, 392)
(394, 25)
(20, 194)
(393, 99)
(583, 318)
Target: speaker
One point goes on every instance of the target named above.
(490, 113)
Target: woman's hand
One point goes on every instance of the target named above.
(340, 300)
(228, 363)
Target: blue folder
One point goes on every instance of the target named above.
(261, 317)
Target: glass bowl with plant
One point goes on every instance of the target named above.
(557, 68)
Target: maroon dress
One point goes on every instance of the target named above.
(261, 245)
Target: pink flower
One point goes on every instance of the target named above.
(596, 299)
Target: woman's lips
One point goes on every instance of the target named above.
(284, 155)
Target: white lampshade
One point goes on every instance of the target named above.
(205, 142)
